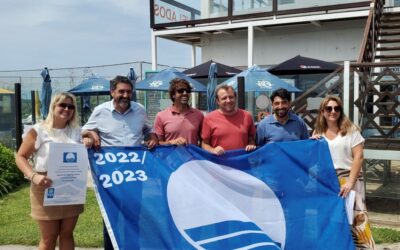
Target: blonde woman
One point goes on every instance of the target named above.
(61, 125)
(346, 147)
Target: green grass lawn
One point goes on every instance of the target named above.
(18, 228)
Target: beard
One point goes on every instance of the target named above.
(124, 102)
(281, 112)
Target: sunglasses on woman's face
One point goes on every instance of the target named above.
(180, 91)
(66, 105)
(330, 108)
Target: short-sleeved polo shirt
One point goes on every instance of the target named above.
(271, 130)
(171, 124)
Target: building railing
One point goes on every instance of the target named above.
(372, 104)
(177, 13)
(369, 43)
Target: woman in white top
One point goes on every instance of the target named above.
(346, 147)
(60, 126)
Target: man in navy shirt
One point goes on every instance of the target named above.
(283, 124)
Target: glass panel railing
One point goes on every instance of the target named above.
(299, 4)
(217, 8)
(242, 7)
(169, 11)
(172, 11)
(175, 11)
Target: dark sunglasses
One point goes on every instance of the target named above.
(180, 91)
(330, 108)
(66, 105)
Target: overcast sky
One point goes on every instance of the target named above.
(70, 33)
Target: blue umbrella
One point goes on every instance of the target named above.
(212, 84)
(92, 86)
(45, 95)
(160, 81)
(133, 77)
(258, 79)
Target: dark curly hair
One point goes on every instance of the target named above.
(282, 93)
(173, 86)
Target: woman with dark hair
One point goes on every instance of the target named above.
(61, 126)
(346, 147)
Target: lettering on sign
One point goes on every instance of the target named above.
(156, 84)
(170, 14)
(264, 84)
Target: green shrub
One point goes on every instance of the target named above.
(10, 176)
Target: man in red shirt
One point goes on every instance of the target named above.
(228, 127)
(179, 124)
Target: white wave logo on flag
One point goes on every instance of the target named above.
(219, 207)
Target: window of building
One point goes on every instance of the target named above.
(241, 7)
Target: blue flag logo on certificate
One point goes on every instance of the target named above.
(69, 157)
(281, 196)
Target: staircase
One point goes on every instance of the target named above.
(376, 100)
(388, 48)
(387, 51)
(378, 103)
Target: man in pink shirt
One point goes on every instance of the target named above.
(179, 124)
(228, 127)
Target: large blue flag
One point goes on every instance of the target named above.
(280, 196)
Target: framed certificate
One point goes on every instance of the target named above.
(68, 168)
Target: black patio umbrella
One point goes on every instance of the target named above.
(202, 70)
(299, 65)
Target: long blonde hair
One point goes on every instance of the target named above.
(59, 98)
(344, 123)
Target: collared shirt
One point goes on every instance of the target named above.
(116, 129)
(171, 124)
(271, 130)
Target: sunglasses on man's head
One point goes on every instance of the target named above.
(181, 91)
(66, 105)
(330, 108)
